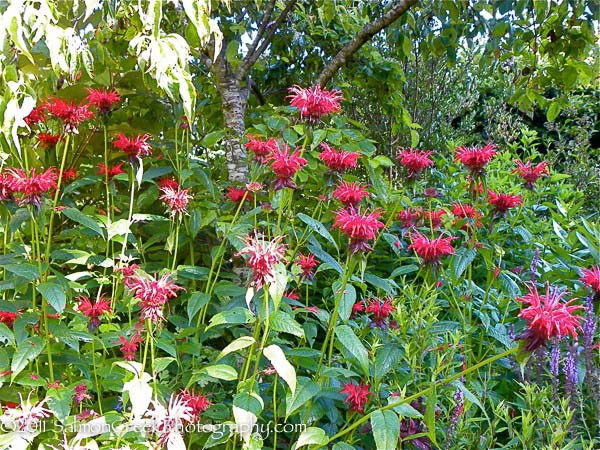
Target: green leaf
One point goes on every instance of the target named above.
(195, 303)
(461, 261)
(403, 270)
(347, 301)
(405, 410)
(352, 348)
(305, 390)
(284, 323)
(283, 367)
(342, 446)
(429, 417)
(238, 344)
(248, 402)
(237, 315)
(221, 371)
(192, 272)
(312, 436)
(28, 350)
(7, 337)
(60, 402)
(54, 294)
(386, 359)
(318, 227)
(25, 270)
(386, 429)
(468, 394)
(553, 111)
(79, 217)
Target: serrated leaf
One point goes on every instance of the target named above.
(236, 315)
(312, 436)
(77, 216)
(221, 372)
(27, 350)
(283, 367)
(239, 344)
(195, 304)
(306, 390)
(25, 270)
(386, 429)
(283, 322)
(60, 402)
(318, 228)
(347, 300)
(352, 348)
(54, 294)
(461, 261)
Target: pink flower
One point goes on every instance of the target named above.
(591, 277)
(176, 199)
(410, 217)
(432, 218)
(103, 99)
(48, 141)
(431, 250)
(168, 182)
(359, 228)
(25, 419)
(307, 263)
(338, 160)
(237, 195)
(285, 166)
(531, 174)
(463, 211)
(71, 114)
(315, 102)
(380, 310)
(358, 307)
(129, 347)
(261, 149)
(111, 171)
(350, 194)
(8, 318)
(358, 395)
(263, 257)
(197, 402)
(37, 115)
(475, 158)
(415, 160)
(547, 317)
(80, 394)
(94, 310)
(503, 202)
(152, 293)
(134, 147)
(33, 186)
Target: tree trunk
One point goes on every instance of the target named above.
(234, 98)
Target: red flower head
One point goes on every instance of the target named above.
(350, 194)
(285, 166)
(103, 100)
(433, 218)
(307, 264)
(475, 158)
(431, 250)
(254, 186)
(380, 310)
(70, 174)
(338, 160)
(263, 257)
(358, 307)
(360, 229)
(48, 141)
(134, 147)
(32, 187)
(80, 394)
(152, 293)
(531, 174)
(415, 160)
(358, 395)
(176, 199)
(410, 217)
(197, 402)
(463, 211)
(6, 192)
(8, 318)
(168, 182)
(112, 170)
(71, 114)
(591, 278)
(94, 310)
(237, 195)
(292, 296)
(129, 348)
(261, 149)
(37, 115)
(547, 317)
(503, 202)
(315, 102)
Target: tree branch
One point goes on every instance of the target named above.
(363, 36)
(261, 29)
(250, 60)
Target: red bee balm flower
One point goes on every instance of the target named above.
(307, 264)
(176, 199)
(198, 403)
(358, 228)
(410, 217)
(94, 310)
(547, 317)
(415, 160)
(80, 394)
(263, 257)
(37, 115)
(337, 160)
(112, 170)
(315, 102)
(237, 195)
(531, 174)
(463, 211)
(261, 149)
(591, 278)
(129, 348)
(503, 202)
(103, 100)
(134, 147)
(433, 218)
(358, 395)
(380, 310)
(431, 250)
(475, 158)
(71, 114)
(285, 166)
(168, 182)
(350, 194)
(48, 141)
(8, 318)
(32, 187)
(153, 293)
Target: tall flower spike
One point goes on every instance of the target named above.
(547, 317)
(359, 228)
(263, 257)
(315, 102)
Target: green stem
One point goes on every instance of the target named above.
(98, 391)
